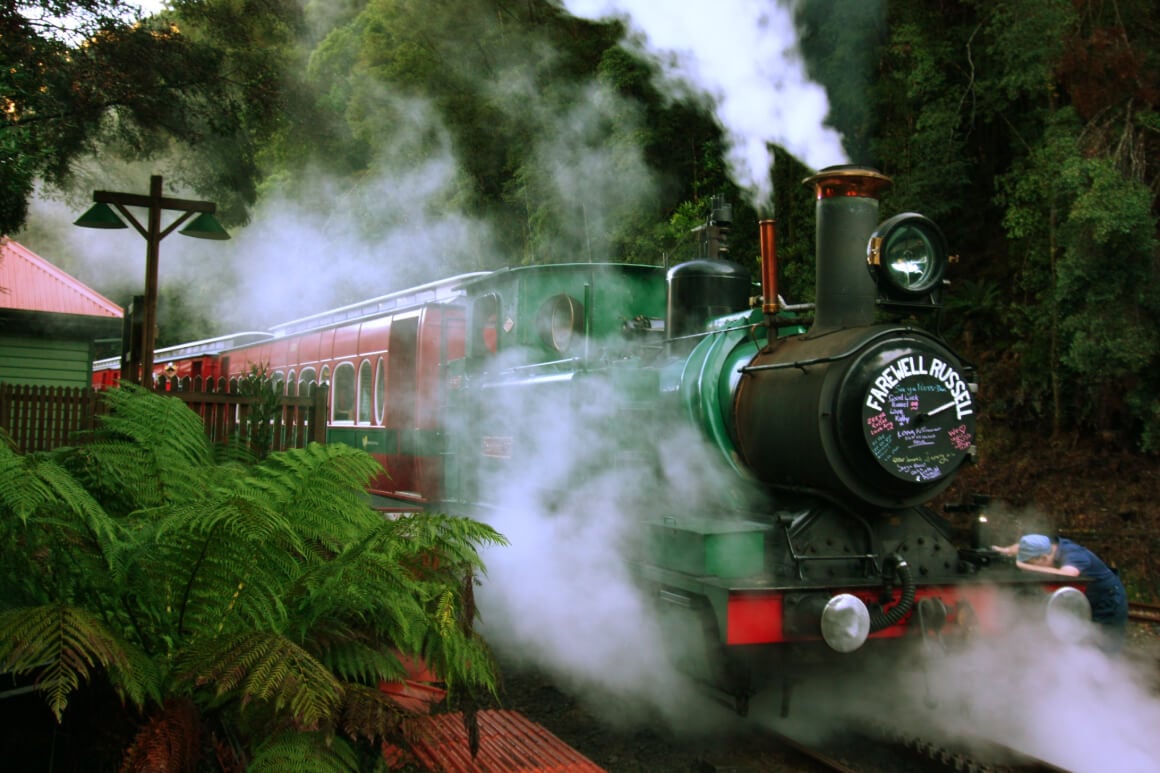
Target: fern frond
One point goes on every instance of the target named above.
(157, 422)
(62, 645)
(370, 713)
(213, 568)
(321, 489)
(455, 540)
(119, 473)
(35, 484)
(304, 753)
(364, 582)
(170, 741)
(153, 444)
(21, 494)
(265, 666)
(352, 656)
(241, 513)
(462, 661)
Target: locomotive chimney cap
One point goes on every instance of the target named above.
(848, 180)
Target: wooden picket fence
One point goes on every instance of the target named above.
(41, 418)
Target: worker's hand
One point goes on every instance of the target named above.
(1007, 550)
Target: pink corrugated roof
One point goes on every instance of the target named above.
(31, 283)
(509, 742)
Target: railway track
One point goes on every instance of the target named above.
(1143, 613)
(878, 754)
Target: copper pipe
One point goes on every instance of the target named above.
(767, 230)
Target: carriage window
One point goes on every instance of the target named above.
(485, 325)
(325, 375)
(380, 390)
(364, 392)
(279, 381)
(292, 384)
(343, 395)
(306, 380)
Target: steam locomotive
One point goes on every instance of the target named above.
(830, 428)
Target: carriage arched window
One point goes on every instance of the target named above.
(292, 384)
(365, 392)
(380, 390)
(279, 382)
(342, 392)
(485, 325)
(306, 381)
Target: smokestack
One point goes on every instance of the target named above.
(847, 214)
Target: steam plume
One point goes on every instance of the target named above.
(742, 56)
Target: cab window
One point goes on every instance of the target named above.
(485, 325)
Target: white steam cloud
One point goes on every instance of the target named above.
(1069, 704)
(573, 500)
(743, 56)
(313, 243)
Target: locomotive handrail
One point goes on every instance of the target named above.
(831, 358)
(535, 365)
(707, 333)
(799, 559)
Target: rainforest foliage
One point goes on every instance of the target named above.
(177, 612)
(1028, 129)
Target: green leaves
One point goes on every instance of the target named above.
(266, 597)
(62, 646)
(264, 666)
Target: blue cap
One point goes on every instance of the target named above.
(1033, 546)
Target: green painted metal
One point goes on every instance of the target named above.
(705, 381)
(380, 440)
(617, 292)
(375, 440)
(704, 547)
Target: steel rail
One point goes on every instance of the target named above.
(1143, 613)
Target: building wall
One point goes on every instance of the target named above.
(30, 360)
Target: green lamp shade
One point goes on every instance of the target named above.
(100, 215)
(205, 226)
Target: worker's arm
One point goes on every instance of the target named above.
(1007, 550)
(1068, 571)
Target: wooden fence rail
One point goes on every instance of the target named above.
(40, 418)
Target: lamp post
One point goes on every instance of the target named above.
(203, 226)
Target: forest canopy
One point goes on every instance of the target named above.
(1028, 129)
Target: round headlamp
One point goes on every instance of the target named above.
(908, 254)
(560, 320)
(845, 623)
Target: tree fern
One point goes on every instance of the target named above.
(170, 741)
(267, 596)
(267, 667)
(35, 484)
(212, 565)
(370, 713)
(150, 446)
(353, 654)
(321, 488)
(62, 645)
(304, 753)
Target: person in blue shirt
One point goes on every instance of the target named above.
(1104, 591)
